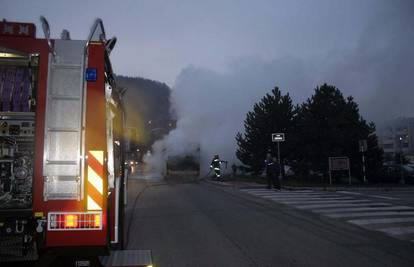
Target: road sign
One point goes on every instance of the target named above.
(339, 164)
(278, 137)
(363, 145)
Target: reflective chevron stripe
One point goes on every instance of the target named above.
(95, 187)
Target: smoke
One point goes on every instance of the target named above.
(378, 72)
(211, 105)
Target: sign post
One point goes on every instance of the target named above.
(363, 148)
(278, 137)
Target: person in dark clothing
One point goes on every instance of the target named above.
(275, 172)
(272, 172)
(234, 169)
(268, 168)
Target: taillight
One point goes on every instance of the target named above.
(58, 221)
(97, 221)
(71, 221)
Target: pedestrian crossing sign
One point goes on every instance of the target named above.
(278, 137)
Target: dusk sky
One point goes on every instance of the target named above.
(352, 44)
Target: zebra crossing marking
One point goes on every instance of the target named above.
(349, 193)
(290, 196)
(369, 214)
(307, 200)
(269, 192)
(383, 197)
(309, 207)
(364, 209)
(263, 188)
(375, 196)
(381, 221)
(292, 193)
(326, 201)
(394, 231)
(383, 217)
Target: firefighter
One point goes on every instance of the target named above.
(215, 165)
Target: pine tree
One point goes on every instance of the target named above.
(274, 113)
(374, 155)
(330, 125)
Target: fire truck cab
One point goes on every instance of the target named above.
(61, 144)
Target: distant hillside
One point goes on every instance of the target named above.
(147, 107)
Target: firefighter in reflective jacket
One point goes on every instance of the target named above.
(215, 165)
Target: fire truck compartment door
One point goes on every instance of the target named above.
(63, 155)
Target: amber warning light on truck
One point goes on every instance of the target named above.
(60, 221)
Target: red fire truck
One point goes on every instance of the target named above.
(61, 145)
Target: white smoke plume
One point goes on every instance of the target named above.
(211, 105)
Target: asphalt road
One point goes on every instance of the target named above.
(202, 224)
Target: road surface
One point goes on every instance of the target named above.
(204, 224)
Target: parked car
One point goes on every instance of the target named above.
(392, 174)
(408, 171)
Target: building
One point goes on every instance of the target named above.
(397, 136)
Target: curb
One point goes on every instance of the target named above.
(317, 188)
(235, 184)
(217, 182)
(333, 189)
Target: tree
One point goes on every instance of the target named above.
(329, 125)
(374, 154)
(274, 113)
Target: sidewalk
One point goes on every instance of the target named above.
(359, 187)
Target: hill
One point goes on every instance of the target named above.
(147, 105)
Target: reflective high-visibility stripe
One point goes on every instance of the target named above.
(95, 180)
(216, 169)
(95, 173)
(92, 205)
(215, 160)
